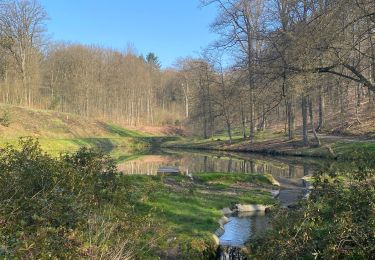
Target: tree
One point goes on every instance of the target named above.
(153, 60)
(22, 28)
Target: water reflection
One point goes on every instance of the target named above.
(195, 162)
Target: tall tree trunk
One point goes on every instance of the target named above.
(252, 112)
(305, 136)
(243, 120)
(205, 135)
(321, 110)
(229, 130)
(312, 123)
(264, 120)
(291, 118)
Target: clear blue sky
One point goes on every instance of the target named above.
(169, 28)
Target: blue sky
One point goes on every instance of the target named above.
(169, 28)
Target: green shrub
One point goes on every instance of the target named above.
(5, 119)
(337, 221)
(73, 206)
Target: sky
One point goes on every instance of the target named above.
(170, 28)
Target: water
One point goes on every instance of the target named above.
(290, 170)
(241, 227)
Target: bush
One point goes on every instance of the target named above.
(337, 221)
(5, 119)
(73, 206)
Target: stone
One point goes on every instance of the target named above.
(226, 211)
(250, 207)
(224, 220)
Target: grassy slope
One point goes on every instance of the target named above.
(65, 132)
(276, 143)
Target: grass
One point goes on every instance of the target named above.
(190, 209)
(277, 144)
(222, 139)
(225, 180)
(61, 132)
(345, 148)
(122, 132)
(55, 146)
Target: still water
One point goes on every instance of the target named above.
(190, 162)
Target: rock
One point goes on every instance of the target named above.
(275, 193)
(250, 207)
(216, 239)
(219, 232)
(272, 180)
(226, 211)
(224, 220)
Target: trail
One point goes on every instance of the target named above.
(343, 138)
(291, 190)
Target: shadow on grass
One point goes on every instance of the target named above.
(104, 144)
(122, 132)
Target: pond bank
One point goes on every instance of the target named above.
(332, 147)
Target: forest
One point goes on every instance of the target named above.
(279, 64)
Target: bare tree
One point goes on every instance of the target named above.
(22, 30)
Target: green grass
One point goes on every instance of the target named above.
(56, 146)
(122, 132)
(61, 132)
(221, 139)
(281, 146)
(225, 180)
(190, 210)
(346, 148)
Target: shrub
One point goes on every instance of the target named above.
(5, 119)
(73, 206)
(337, 221)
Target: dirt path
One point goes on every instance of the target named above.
(291, 190)
(343, 138)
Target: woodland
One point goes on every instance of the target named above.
(306, 65)
(280, 110)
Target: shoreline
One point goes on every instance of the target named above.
(336, 149)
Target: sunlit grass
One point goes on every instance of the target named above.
(190, 210)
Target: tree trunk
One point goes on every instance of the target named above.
(263, 126)
(243, 120)
(229, 129)
(305, 136)
(291, 118)
(312, 123)
(321, 110)
(252, 108)
(205, 127)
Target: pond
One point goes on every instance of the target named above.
(188, 162)
(288, 171)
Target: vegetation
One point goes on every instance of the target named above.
(337, 221)
(73, 206)
(271, 142)
(61, 132)
(284, 77)
(78, 205)
(296, 75)
(5, 119)
(191, 208)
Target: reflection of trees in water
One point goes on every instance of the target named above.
(203, 163)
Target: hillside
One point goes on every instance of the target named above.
(62, 131)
